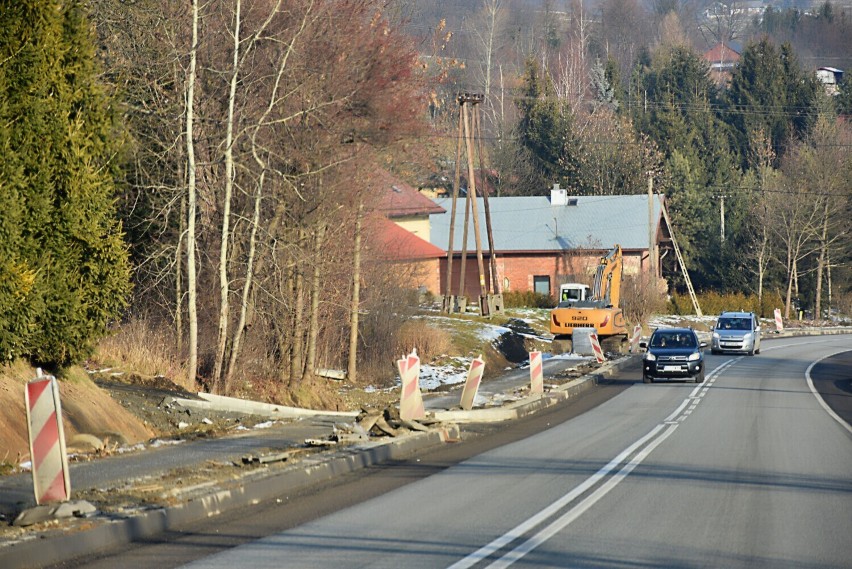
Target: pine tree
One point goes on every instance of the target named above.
(770, 92)
(544, 128)
(62, 145)
(680, 118)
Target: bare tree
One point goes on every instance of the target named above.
(572, 77)
(767, 180)
(795, 215)
(828, 168)
(192, 282)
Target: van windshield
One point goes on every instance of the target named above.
(734, 324)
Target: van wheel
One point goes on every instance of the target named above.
(647, 379)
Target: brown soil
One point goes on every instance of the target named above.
(86, 409)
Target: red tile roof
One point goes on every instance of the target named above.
(722, 53)
(398, 199)
(390, 242)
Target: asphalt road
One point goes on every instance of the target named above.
(746, 470)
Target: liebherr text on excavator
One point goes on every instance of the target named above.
(600, 311)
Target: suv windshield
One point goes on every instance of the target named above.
(734, 324)
(673, 340)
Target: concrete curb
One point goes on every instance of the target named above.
(534, 403)
(799, 332)
(108, 532)
(259, 485)
(232, 404)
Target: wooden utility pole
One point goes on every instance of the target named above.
(468, 137)
(450, 299)
(652, 241)
(469, 131)
(492, 259)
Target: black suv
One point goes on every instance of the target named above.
(673, 353)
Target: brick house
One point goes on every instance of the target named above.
(417, 261)
(541, 242)
(402, 230)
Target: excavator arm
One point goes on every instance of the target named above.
(607, 287)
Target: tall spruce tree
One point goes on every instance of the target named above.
(680, 117)
(770, 92)
(545, 129)
(71, 271)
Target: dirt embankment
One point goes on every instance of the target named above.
(86, 410)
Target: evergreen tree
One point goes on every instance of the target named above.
(843, 100)
(604, 92)
(72, 268)
(680, 118)
(769, 91)
(544, 128)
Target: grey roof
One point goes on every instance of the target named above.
(531, 223)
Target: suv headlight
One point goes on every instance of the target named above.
(649, 357)
(694, 357)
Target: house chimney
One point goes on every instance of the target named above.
(558, 196)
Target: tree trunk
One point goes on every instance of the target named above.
(179, 277)
(191, 284)
(313, 326)
(298, 337)
(352, 368)
(224, 305)
(247, 285)
(821, 263)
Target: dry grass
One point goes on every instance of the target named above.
(429, 340)
(144, 349)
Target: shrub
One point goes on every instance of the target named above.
(714, 303)
(639, 299)
(527, 299)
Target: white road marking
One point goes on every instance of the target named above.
(551, 510)
(670, 423)
(565, 519)
(819, 398)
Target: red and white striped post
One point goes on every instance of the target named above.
(536, 374)
(634, 340)
(596, 346)
(47, 440)
(411, 402)
(779, 323)
(471, 384)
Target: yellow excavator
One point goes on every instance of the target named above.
(601, 310)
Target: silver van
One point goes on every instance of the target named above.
(736, 332)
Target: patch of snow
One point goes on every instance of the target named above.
(432, 377)
(571, 356)
(491, 332)
(137, 446)
(161, 442)
(264, 425)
